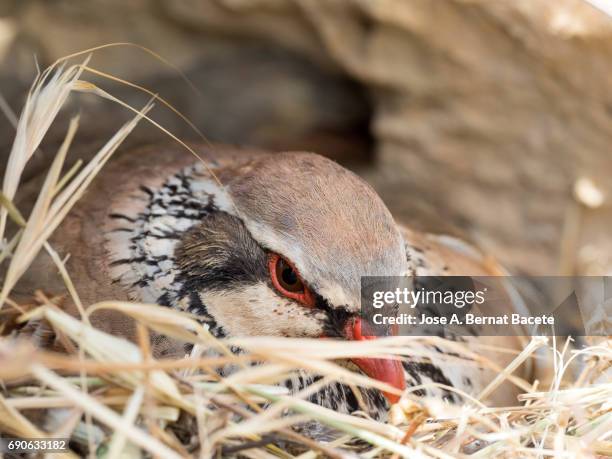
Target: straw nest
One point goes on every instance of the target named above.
(112, 398)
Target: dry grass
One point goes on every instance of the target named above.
(114, 399)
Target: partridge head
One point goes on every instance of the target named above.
(277, 250)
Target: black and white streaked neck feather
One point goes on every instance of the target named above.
(143, 246)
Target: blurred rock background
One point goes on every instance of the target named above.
(478, 118)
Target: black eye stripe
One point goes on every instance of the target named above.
(337, 317)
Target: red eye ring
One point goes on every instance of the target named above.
(293, 286)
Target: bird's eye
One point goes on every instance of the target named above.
(287, 277)
(287, 281)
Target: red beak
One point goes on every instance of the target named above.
(389, 371)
